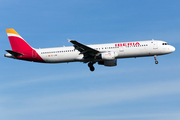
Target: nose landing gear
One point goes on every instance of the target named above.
(90, 65)
(156, 62)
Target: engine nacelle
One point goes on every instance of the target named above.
(108, 63)
(109, 56)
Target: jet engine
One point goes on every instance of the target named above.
(109, 55)
(108, 62)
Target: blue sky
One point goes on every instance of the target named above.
(136, 89)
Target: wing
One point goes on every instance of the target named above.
(87, 51)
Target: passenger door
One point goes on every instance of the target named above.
(155, 45)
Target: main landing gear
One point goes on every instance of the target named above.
(90, 65)
(156, 62)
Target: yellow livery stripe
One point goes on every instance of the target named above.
(12, 31)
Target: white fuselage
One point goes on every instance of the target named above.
(122, 50)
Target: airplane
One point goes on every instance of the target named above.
(103, 54)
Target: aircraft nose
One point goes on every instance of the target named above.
(172, 49)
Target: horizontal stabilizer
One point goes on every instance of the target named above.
(14, 53)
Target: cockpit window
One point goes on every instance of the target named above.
(164, 43)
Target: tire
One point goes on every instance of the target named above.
(156, 62)
(92, 68)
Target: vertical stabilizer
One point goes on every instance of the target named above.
(18, 44)
(20, 48)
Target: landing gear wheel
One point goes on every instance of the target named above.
(90, 65)
(92, 68)
(156, 62)
(155, 58)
